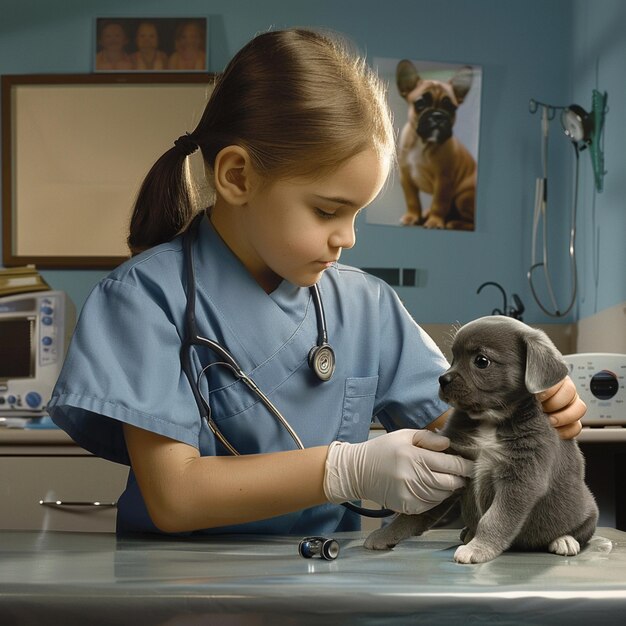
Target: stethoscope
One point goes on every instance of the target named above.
(321, 358)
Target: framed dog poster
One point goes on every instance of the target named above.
(151, 44)
(436, 108)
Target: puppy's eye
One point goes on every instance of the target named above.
(482, 362)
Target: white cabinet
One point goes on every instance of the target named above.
(49, 483)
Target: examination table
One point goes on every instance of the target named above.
(95, 578)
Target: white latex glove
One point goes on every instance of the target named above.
(405, 471)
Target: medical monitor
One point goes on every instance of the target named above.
(34, 333)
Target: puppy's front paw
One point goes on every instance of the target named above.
(381, 539)
(475, 552)
(565, 546)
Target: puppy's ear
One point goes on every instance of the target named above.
(406, 77)
(545, 366)
(461, 82)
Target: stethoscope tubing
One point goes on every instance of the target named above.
(249, 382)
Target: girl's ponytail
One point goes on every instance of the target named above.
(164, 204)
(300, 103)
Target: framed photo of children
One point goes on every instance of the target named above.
(151, 44)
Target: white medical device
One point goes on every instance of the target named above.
(35, 329)
(600, 379)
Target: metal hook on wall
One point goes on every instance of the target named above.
(550, 109)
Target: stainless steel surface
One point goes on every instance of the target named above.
(79, 578)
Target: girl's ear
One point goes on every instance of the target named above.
(233, 174)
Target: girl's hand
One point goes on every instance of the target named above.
(564, 408)
(406, 471)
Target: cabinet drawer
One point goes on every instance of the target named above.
(77, 493)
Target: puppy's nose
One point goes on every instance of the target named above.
(445, 379)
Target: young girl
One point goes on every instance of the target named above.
(296, 139)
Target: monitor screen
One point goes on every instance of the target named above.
(16, 348)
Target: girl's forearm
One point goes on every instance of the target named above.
(235, 490)
(184, 491)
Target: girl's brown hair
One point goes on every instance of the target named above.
(300, 103)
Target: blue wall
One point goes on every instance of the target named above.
(548, 50)
(598, 62)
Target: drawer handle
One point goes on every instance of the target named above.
(68, 503)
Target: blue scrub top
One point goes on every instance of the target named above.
(123, 365)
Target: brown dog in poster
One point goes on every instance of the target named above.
(430, 157)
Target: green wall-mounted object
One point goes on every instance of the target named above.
(598, 111)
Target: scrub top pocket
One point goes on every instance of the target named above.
(358, 407)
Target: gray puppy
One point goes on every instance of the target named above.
(527, 491)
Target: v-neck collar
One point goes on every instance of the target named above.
(260, 323)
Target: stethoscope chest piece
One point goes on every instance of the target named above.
(322, 361)
(327, 549)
